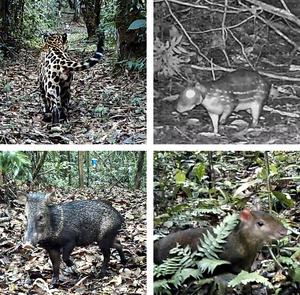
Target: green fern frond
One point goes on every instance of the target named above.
(209, 265)
(287, 260)
(211, 244)
(169, 267)
(245, 277)
(215, 211)
(183, 274)
(185, 263)
(162, 287)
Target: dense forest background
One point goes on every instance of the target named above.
(198, 189)
(108, 101)
(23, 22)
(115, 177)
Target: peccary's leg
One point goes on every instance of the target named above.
(118, 247)
(67, 250)
(55, 260)
(105, 248)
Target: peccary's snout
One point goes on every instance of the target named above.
(30, 236)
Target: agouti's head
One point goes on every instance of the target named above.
(261, 226)
(191, 97)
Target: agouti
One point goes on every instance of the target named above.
(254, 230)
(239, 90)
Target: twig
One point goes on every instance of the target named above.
(274, 10)
(198, 6)
(184, 135)
(185, 32)
(270, 75)
(296, 46)
(219, 29)
(242, 47)
(285, 7)
(278, 12)
(224, 33)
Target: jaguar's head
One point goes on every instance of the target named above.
(55, 40)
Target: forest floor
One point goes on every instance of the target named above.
(28, 271)
(108, 105)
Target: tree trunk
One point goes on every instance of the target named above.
(76, 17)
(1, 178)
(139, 170)
(11, 21)
(80, 169)
(72, 3)
(131, 43)
(87, 163)
(40, 162)
(91, 14)
(69, 170)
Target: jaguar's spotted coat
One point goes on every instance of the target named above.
(56, 74)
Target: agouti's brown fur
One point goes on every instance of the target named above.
(239, 90)
(254, 230)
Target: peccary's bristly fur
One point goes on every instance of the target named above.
(60, 227)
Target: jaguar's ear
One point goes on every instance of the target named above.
(65, 37)
(46, 36)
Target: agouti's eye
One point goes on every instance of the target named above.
(260, 223)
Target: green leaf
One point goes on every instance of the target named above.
(273, 169)
(295, 274)
(283, 198)
(137, 24)
(180, 177)
(200, 171)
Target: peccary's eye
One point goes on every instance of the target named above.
(40, 218)
(260, 223)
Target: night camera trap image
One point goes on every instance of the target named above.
(226, 72)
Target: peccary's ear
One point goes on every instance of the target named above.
(28, 195)
(49, 196)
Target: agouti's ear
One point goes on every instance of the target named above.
(245, 215)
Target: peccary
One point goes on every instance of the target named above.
(58, 228)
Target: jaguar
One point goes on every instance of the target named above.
(56, 74)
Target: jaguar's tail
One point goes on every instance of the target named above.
(99, 54)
